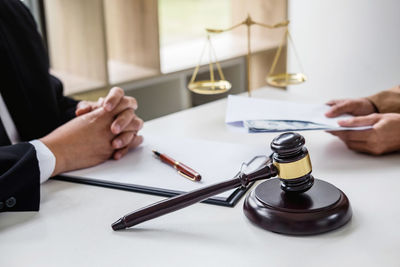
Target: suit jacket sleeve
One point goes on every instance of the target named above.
(66, 105)
(387, 101)
(19, 178)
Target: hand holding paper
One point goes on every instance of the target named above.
(380, 139)
(262, 115)
(356, 107)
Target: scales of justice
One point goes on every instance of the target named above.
(290, 200)
(221, 85)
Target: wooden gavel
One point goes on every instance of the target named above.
(290, 162)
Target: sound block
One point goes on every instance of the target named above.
(320, 209)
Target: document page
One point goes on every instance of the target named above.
(215, 161)
(264, 115)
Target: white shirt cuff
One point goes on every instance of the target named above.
(46, 159)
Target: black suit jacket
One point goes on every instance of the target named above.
(34, 99)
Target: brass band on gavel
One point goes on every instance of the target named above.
(293, 170)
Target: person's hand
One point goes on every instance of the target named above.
(84, 106)
(383, 138)
(356, 107)
(83, 142)
(125, 124)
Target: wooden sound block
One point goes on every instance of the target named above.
(321, 209)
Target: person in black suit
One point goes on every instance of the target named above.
(41, 127)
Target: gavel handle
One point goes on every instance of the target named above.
(181, 201)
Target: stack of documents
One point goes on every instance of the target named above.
(262, 115)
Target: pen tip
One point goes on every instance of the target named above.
(156, 152)
(118, 225)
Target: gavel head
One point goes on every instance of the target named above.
(292, 162)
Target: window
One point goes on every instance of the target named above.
(185, 20)
(96, 44)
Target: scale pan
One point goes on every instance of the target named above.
(285, 79)
(208, 87)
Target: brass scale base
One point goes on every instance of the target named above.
(321, 209)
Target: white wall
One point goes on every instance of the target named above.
(348, 48)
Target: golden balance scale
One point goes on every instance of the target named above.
(213, 86)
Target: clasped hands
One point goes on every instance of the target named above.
(383, 137)
(102, 130)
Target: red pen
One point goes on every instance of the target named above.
(181, 168)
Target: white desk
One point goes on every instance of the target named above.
(73, 225)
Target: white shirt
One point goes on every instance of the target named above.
(46, 159)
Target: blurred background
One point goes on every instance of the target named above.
(151, 47)
(348, 48)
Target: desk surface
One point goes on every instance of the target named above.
(73, 225)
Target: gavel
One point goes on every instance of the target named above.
(291, 163)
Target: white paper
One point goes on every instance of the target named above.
(215, 161)
(240, 109)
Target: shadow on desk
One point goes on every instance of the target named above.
(170, 233)
(336, 155)
(53, 189)
(15, 219)
(19, 218)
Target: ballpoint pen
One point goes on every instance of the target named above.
(182, 169)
